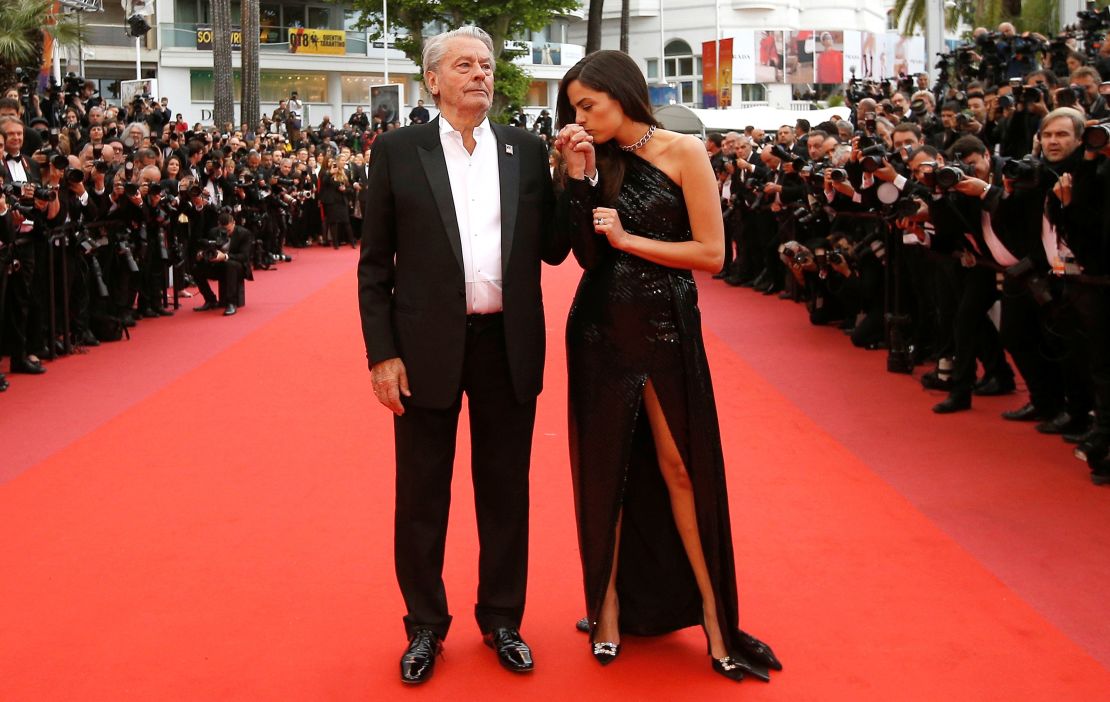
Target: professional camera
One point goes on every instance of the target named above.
(948, 176)
(871, 158)
(1025, 172)
(1094, 21)
(1096, 136)
(210, 249)
(837, 175)
(782, 153)
(45, 194)
(130, 189)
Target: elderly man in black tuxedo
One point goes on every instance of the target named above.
(458, 219)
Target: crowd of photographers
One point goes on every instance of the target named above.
(908, 221)
(108, 214)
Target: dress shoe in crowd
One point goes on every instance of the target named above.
(933, 381)
(205, 307)
(148, 313)
(721, 275)
(230, 310)
(127, 319)
(27, 366)
(164, 312)
(1093, 449)
(3, 383)
(512, 652)
(993, 386)
(955, 402)
(1025, 413)
(1081, 437)
(1064, 423)
(87, 338)
(419, 660)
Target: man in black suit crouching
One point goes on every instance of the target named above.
(225, 256)
(458, 218)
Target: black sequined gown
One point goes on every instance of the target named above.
(633, 320)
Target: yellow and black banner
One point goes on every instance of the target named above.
(204, 38)
(317, 41)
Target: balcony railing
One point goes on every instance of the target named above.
(271, 39)
(107, 35)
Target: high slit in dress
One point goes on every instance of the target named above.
(633, 321)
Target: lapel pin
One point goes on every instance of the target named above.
(509, 149)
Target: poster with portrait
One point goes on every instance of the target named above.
(853, 60)
(799, 56)
(770, 64)
(829, 57)
(385, 103)
(870, 63)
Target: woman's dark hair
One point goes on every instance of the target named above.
(617, 75)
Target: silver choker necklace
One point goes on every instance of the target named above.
(643, 140)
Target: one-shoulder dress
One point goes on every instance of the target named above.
(633, 321)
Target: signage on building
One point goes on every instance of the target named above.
(204, 38)
(317, 41)
(717, 72)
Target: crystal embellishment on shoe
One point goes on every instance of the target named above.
(606, 651)
(729, 668)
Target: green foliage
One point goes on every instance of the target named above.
(22, 23)
(503, 19)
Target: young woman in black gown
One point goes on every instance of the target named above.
(650, 498)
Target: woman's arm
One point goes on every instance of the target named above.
(706, 252)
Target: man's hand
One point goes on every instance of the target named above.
(886, 172)
(1062, 189)
(390, 381)
(972, 186)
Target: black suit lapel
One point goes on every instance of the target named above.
(508, 169)
(435, 168)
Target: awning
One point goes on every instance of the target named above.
(688, 120)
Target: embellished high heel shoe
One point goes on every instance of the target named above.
(728, 667)
(606, 651)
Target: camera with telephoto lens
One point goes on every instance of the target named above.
(45, 194)
(782, 153)
(1096, 136)
(100, 166)
(837, 175)
(75, 176)
(946, 177)
(872, 158)
(130, 189)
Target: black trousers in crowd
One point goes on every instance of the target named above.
(501, 445)
(976, 336)
(230, 272)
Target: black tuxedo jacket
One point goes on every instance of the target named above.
(32, 168)
(412, 292)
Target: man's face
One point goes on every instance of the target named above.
(464, 78)
(898, 100)
(923, 166)
(96, 116)
(948, 119)
(13, 137)
(785, 136)
(9, 112)
(419, 103)
(978, 107)
(711, 147)
(980, 165)
(230, 227)
(814, 145)
(744, 149)
(905, 141)
(1089, 85)
(1058, 139)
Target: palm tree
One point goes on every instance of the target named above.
(223, 107)
(624, 25)
(248, 105)
(593, 26)
(1028, 15)
(22, 24)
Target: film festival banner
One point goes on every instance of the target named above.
(716, 67)
(760, 57)
(317, 41)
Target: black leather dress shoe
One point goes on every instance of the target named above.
(1081, 437)
(991, 387)
(1064, 423)
(933, 381)
(1025, 413)
(27, 366)
(511, 650)
(205, 307)
(955, 402)
(3, 383)
(230, 310)
(419, 660)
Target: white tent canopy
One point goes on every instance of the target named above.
(694, 121)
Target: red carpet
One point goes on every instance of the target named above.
(241, 549)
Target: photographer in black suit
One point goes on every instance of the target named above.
(225, 255)
(460, 215)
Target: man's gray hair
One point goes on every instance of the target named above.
(435, 47)
(1078, 121)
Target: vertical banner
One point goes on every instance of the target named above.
(830, 57)
(709, 74)
(870, 65)
(800, 46)
(771, 63)
(915, 55)
(745, 56)
(853, 57)
(724, 62)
